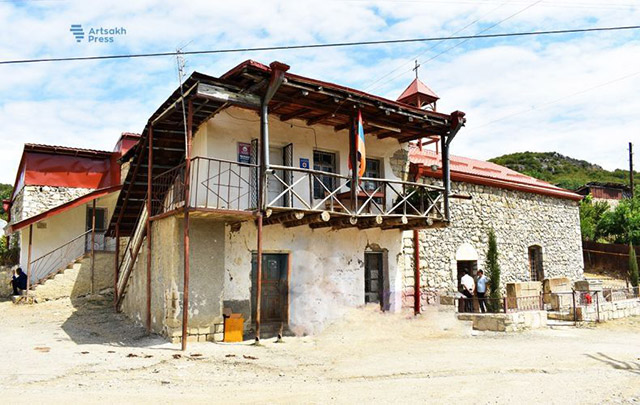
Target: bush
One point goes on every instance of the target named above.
(9, 255)
(493, 268)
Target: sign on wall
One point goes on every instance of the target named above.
(244, 152)
(304, 163)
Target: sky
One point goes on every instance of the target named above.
(574, 94)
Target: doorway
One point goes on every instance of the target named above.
(373, 278)
(466, 267)
(274, 306)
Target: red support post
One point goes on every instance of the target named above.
(259, 278)
(416, 273)
(148, 224)
(187, 192)
(29, 259)
(93, 245)
(116, 272)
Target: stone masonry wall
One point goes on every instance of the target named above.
(519, 219)
(33, 200)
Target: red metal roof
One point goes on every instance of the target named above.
(417, 87)
(485, 173)
(65, 150)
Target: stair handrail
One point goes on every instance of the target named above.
(58, 257)
(130, 256)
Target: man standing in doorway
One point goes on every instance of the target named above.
(468, 287)
(481, 290)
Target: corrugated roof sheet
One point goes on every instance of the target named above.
(496, 175)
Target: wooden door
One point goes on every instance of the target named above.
(373, 277)
(275, 287)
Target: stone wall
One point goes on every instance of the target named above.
(5, 279)
(33, 200)
(519, 219)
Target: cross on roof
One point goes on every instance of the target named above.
(415, 69)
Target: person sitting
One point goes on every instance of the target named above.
(19, 281)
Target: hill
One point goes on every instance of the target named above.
(561, 170)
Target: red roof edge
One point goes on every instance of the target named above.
(62, 208)
(508, 185)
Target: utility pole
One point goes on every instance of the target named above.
(631, 168)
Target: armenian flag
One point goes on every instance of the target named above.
(360, 148)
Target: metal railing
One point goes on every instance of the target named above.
(227, 185)
(499, 305)
(168, 190)
(51, 263)
(223, 184)
(130, 253)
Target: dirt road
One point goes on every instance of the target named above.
(58, 352)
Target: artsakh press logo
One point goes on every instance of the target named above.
(77, 31)
(97, 34)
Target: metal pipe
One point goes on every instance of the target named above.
(446, 176)
(416, 273)
(93, 244)
(259, 278)
(148, 225)
(116, 271)
(29, 259)
(187, 179)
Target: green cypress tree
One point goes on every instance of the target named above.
(493, 268)
(633, 266)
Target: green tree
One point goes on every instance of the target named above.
(5, 193)
(493, 268)
(622, 225)
(633, 266)
(591, 214)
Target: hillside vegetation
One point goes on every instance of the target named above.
(561, 170)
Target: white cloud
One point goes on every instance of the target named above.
(87, 104)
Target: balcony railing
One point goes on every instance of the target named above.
(220, 184)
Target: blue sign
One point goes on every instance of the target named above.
(304, 163)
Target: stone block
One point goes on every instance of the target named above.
(588, 285)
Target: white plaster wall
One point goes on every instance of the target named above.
(219, 138)
(60, 229)
(327, 269)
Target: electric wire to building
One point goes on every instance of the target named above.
(327, 45)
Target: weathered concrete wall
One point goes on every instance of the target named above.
(327, 269)
(519, 219)
(206, 278)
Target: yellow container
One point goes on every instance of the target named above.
(233, 328)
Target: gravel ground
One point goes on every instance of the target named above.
(61, 350)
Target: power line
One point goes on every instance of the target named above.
(557, 100)
(329, 45)
(369, 86)
(459, 43)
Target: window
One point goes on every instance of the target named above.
(536, 271)
(373, 171)
(325, 162)
(101, 219)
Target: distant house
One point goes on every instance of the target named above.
(58, 193)
(611, 193)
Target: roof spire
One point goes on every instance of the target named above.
(415, 69)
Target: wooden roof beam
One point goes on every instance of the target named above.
(297, 113)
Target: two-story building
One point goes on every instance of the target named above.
(256, 164)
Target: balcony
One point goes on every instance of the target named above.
(296, 196)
